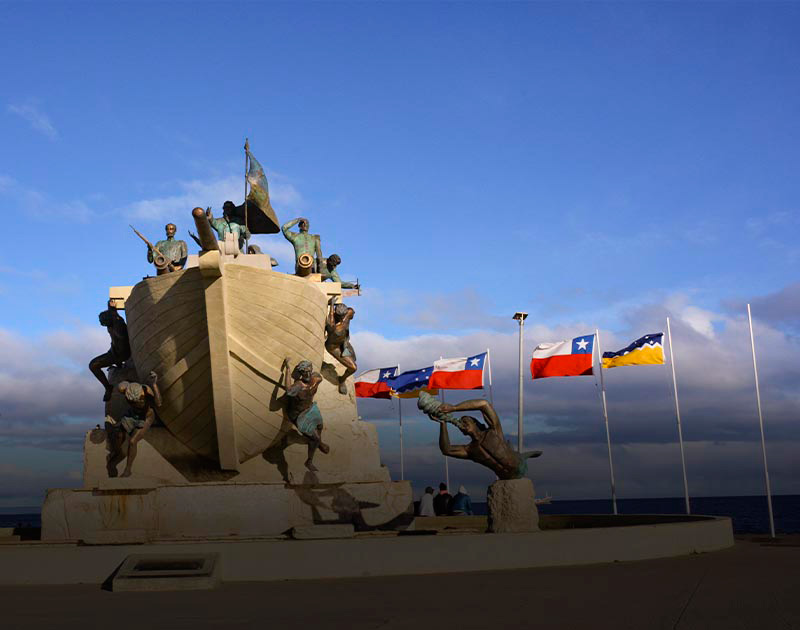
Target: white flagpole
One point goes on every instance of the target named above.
(520, 317)
(489, 366)
(400, 417)
(446, 465)
(761, 425)
(246, 169)
(605, 415)
(678, 416)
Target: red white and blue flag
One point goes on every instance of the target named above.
(462, 373)
(564, 358)
(375, 383)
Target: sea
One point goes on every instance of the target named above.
(749, 514)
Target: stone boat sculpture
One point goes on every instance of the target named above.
(227, 461)
(217, 335)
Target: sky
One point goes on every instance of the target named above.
(598, 165)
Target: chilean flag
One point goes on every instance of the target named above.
(564, 358)
(463, 373)
(375, 383)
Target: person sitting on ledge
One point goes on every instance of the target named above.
(461, 504)
(441, 502)
(426, 503)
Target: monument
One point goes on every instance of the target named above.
(220, 438)
(511, 498)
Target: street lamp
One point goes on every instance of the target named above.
(520, 317)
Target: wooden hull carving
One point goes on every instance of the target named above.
(217, 343)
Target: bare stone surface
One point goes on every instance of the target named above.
(511, 506)
(749, 586)
(162, 460)
(116, 537)
(222, 510)
(315, 532)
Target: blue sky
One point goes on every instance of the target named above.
(594, 164)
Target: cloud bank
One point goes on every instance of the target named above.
(48, 399)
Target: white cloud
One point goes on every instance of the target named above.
(37, 119)
(40, 204)
(279, 248)
(212, 192)
(48, 399)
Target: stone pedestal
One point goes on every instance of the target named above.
(227, 510)
(511, 507)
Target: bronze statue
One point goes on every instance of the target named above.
(162, 262)
(174, 251)
(255, 249)
(229, 224)
(304, 243)
(120, 350)
(301, 408)
(488, 446)
(142, 400)
(337, 339)
(329, 272)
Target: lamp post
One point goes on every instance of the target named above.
(520, 317)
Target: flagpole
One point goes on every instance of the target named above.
(246, 149)
(678, 416)
(605, 415)
(520, 316)
(446, 465)
(489, 365)
(761, 425)
(400, 416)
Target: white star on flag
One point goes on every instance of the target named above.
(475, 362)
(582, 344)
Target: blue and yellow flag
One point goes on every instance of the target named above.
(648, 350)
(410, 384)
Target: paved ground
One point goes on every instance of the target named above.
(754, 585)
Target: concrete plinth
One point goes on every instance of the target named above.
(220, 510)
(511, 507)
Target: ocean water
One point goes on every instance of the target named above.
(749, 514)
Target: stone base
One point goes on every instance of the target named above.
(221, 510)
(511, 506)
(162, 460)
(319, 532)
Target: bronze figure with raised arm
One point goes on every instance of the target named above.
(303, 243)
(487, 445)
(337, 339)
(118, 353)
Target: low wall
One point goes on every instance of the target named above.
(383, 554)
